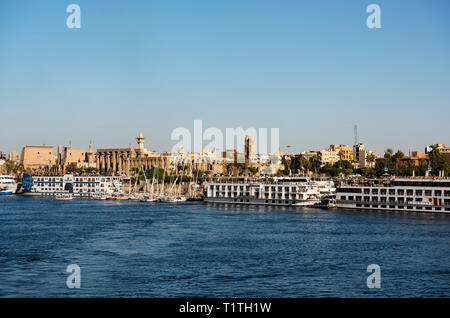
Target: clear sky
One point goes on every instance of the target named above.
(311, 68)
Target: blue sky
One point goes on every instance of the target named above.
(311, 68)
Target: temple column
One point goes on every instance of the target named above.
(108, 162)
(97, 161)
(120, 157)
(124, 163)
(127, 166)
(114, 161)
(102, 161)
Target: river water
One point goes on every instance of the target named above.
(134, 249)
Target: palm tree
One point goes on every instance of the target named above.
(397, 157)
(340, 155)
(306, 164)
(388, 153)
(288, 163)
(371, 159)
(314, 162)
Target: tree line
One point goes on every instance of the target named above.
(392, 163)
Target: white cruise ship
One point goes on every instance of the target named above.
(399, 194)
(273, 191)
(81, 186)
(8, 185)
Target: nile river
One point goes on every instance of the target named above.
(134, 249)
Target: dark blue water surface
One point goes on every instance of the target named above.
(134, 249)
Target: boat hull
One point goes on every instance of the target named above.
(8, 190)
(293, 203)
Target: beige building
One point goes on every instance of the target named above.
(441, 148)
(360, 155)
(76, 158)
(14, 156)
(38, 158)
(414, 158)
(363, 162)
(43, 158)
(347, 153)
(357, 152)
(335, 153)
(329, 156)
(249, 148)
(123, 160)
(2, 162)
(204, 161)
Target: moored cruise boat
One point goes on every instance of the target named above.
(8, 185)
(290, 191)
(399, 194)
(79, 186)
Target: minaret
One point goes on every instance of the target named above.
(140, 141)
(91, 156)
